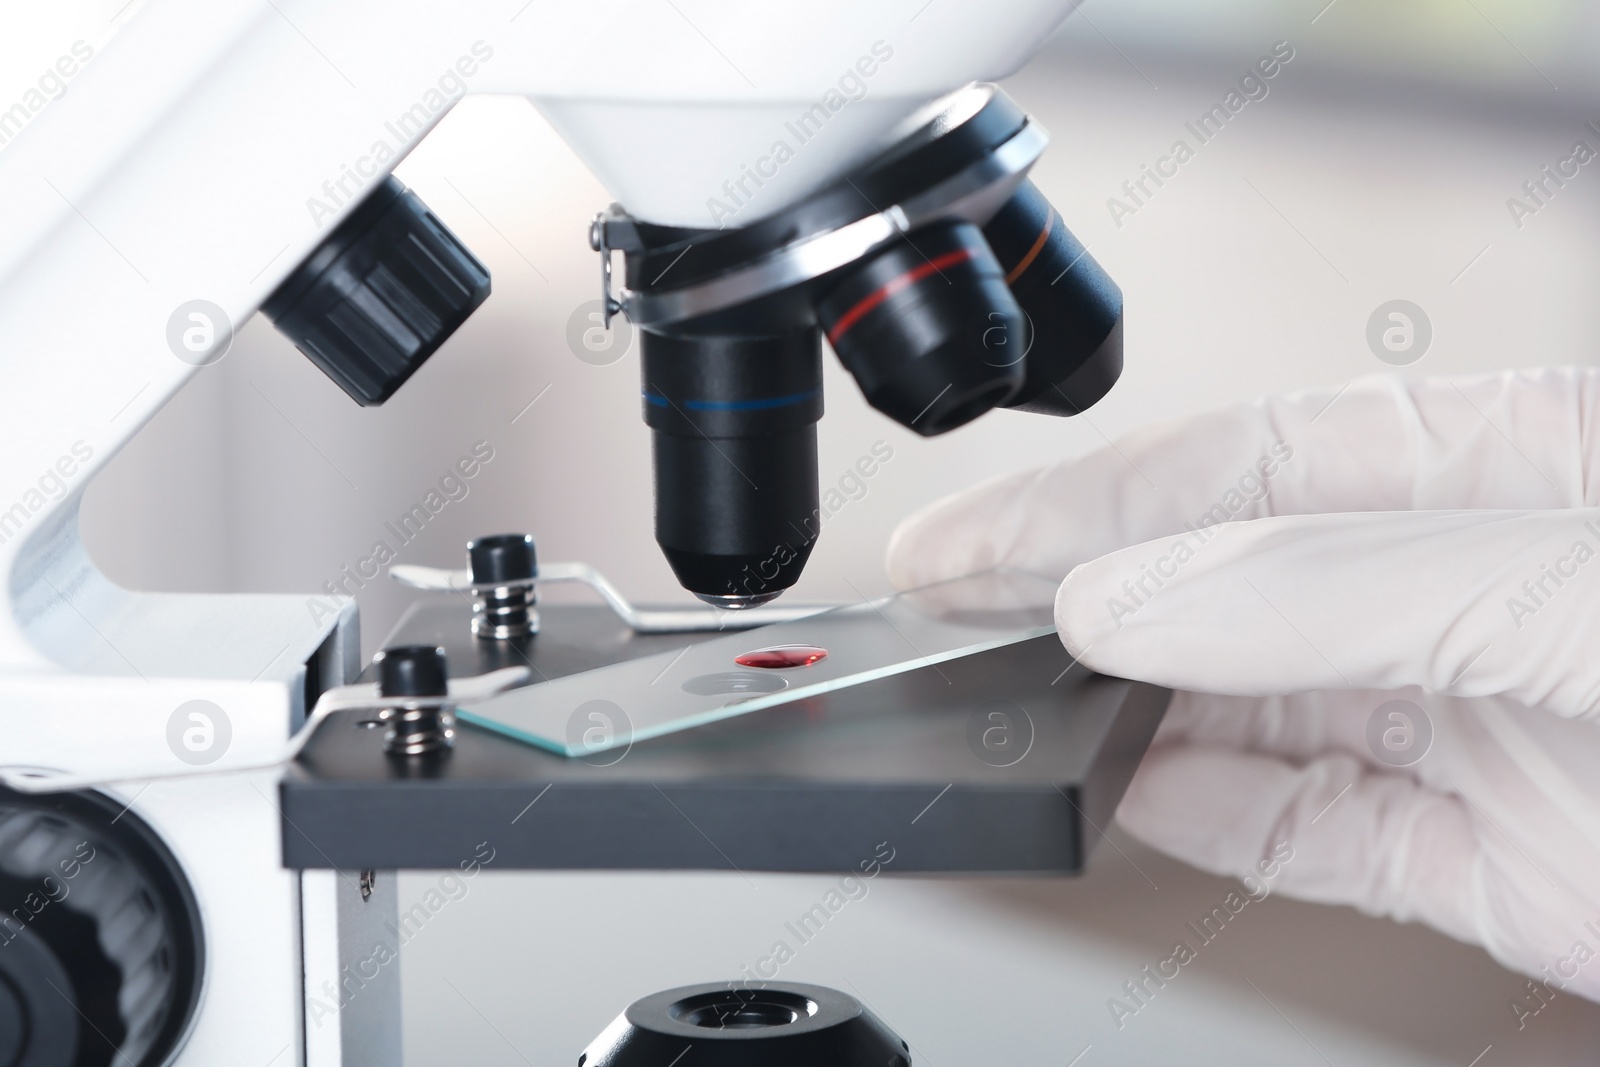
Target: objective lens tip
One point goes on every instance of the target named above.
(740, 602)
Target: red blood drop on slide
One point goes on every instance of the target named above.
(782, 656)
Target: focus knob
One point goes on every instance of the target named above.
(102, 953)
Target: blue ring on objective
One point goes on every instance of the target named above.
(763, 404)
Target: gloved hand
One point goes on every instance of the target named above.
(1294, 565)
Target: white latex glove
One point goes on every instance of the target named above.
(1379, 544)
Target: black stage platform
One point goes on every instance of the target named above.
(813, 785)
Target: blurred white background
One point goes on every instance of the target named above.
(1378, 167)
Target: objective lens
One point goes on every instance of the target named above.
(1074, 345)
(929, 329)
(734, 421)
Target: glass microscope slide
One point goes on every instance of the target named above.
(582, 714)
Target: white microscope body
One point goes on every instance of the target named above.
(202, 155)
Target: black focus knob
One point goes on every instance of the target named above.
(380, 295)
(412, 671)
(732, 1024)
(102, 952)
(502, 558)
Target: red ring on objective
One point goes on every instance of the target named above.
(893, 286)
(779, 656)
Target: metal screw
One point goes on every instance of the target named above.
(505, 570)
(416, 727)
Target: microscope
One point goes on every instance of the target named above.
(944, 281)
(173, 894)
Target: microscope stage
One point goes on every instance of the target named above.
(1009, 760)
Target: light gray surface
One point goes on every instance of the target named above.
(352, 968)
(1388, 146)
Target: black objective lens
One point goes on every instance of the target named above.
(735, 447)
(1074, 344)
(929, 329)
